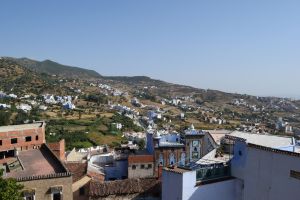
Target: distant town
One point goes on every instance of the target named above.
(78, 135)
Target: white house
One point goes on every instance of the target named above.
(261, 167)
(42, 107)
(24, 107)
(4, 106)
(13, 96)
(69, 106)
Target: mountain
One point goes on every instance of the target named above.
(54, 68)
(20, 80)
(45, 69)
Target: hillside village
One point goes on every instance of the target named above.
(131, 137)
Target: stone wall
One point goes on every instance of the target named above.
(139, 172)
(42, 187)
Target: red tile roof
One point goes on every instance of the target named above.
(140, 159)
(78, 170)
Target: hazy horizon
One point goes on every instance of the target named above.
(240, 47)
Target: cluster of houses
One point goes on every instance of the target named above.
(27, 103)
(130, 112)
(107, 89)
(65, 101)
(192, 164)
(252, 107)
(281, 125)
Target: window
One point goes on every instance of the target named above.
(133, 167)
(37, 137)
(149, 166)
(295, 174)
(195, 143)
(240, 153)
(56, 196)
(14, 141)
(31, 197)
(81, 191)
(0, 142)
(142, 166)
(28, 138)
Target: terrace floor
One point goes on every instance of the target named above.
(35, 162)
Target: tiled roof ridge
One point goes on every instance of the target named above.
(122, 187)
(273, 150)
(48, 176)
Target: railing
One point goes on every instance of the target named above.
(211, 173)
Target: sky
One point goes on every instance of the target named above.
(249, 47)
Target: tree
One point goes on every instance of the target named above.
(21, 117)
(4, 118)
(9, 188)
(141, 144)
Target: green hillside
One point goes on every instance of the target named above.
(54, 68)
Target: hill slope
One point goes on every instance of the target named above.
(20, 80)
(54, 68)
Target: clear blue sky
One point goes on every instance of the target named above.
(239, 46)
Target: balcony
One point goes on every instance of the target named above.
(212, 173)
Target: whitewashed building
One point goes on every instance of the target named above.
(261, 167)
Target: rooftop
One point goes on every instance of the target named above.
(217, 135)
(78, 170)
(146, 158)
(21, 127)
(125, 187)
(211, 158)
(176, 170)
(271, 141)
(37, 162)
(170, 144)
(192, 131)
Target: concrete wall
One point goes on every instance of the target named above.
(42, 187)
(266, 174)
(225, 190)
(171, 186)
(183, 187)
(139, 172)
(77, 186)
(119, 170)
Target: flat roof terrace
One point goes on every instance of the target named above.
(265, 140)
(37, 162)
(21, 127)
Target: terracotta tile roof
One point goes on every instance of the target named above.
(78, 170)
(125, 187)
(140, 159)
